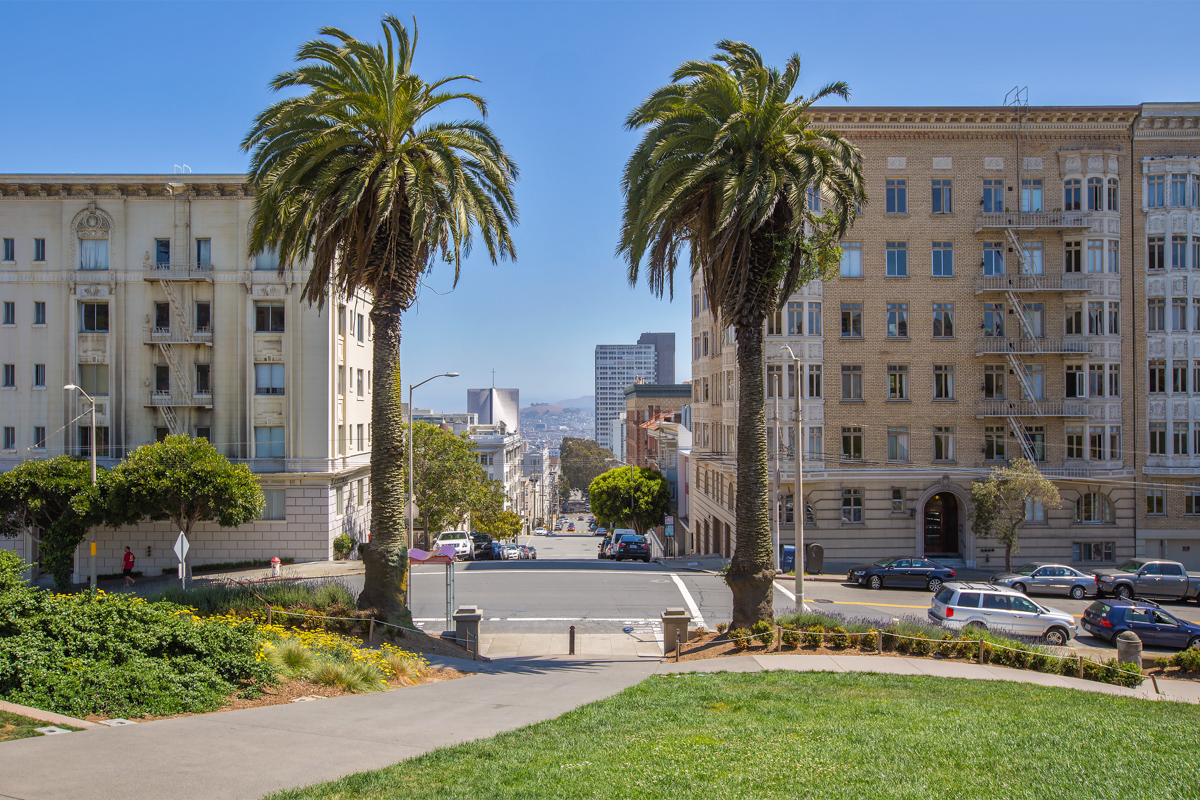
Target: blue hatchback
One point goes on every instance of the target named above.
(1104, 619)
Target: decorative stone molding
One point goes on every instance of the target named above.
(1158, 287)
(1179, 410)
(1072, 164)
(1156, 224)
(1179, 285)
(944, 162)
(993, 163)
(897, 162)
(1179, 223)
(1156, 410)
(1179, 348)
(1156, 347)
(1114, 226)
(1113, 166)
(1033, 163)
(1095, 163)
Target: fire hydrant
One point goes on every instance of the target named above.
(275, 562)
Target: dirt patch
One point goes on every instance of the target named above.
(718, 645)
(1173, 673)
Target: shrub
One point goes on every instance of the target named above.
(870, 640)
(1122, 674)
(342, 546)
(764, 632)
(722, 627)
(945, 647)
(790, 638)
(740, 638)
(407, 668)
(1187, 660)
(814, 636)
(838, 638)
(965, 648)
(922, 646)
(889, 641)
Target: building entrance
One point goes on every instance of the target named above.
(941, 524)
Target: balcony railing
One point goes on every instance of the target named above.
(998, 345)
(1178, 466)
(180, 399)
(178, 335)
(1024, 282)
(1067, 472)
(1028, 408)
(177, 272)
(1033, 220)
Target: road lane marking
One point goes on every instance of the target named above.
(785, 591)
(691, 604)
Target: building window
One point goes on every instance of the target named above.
(39, 437)
(1072, 195)
(897, 196)
(852, 443)
(814, 319)
(897, 320)
(1093, 509)
(1074, 442)
(1179, 191)
(814, 380)
(93, 379)
(1096, 443)
(1033, 263)
(267, 260)
(1157, 376)
(1095, 319)
(1179, 309)
(162, 252)
(360, 383)
(10, 254)
(204, 253)
(993, 319)
(943, 196)
(1035, 320)
(704, 343)
(995, 443)
(695, 306)
(362, 329)
(162, 317)
(1114, 195)
(1156, 317)
(943, 381)
(993, 381)
(897, 441)
(1114, 318)
(993, 259)
(1156, 503)
(1035, 437)
(816, 444)
(1095, 194)
(1179, 373)
(93, 254)
(275, 504)
(268, 379)
(204, 432)
(943, 259)
(1095, 256)
(993, 196)
(852, 320)
(39, 313)
(162, 379)
(339, 501)
(203, 379)
(1084, 552)
(268, 442)
(39, 249)
(39, 376)
(268, 317)
(93, 317)
(10, 376)
(897, 382)
(1179, 438)
(10, 433)
(1179, 252)
(943, 320)
(851, 266)
(204, 317)
(852, 382)
(1196, 246)
(1114, 257)
(1035, 511)
(1035, 381)
(897, 259)
(795, 319)
(1031, 194)
(1096, 380)
(774, 380)
(10, 313)
(1114, 442)
(943, 443)
(852, 506)
(1156, 256)
(1073, 318)
(1072, 257)
(85, 442)
(1114, 380)
(695, 348)
(774, 328)
(1158, 439)
(1074, 385)
(361, 441)
(1191, 499)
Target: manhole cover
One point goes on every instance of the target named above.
(822, 601)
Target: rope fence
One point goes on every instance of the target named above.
(372, 622)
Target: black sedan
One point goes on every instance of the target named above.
(901, 571)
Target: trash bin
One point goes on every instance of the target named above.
(814, 563)
(1129, 648)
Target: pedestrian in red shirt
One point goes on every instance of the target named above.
(128, 567)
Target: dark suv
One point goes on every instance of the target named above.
(632, 547)
(1104, 619)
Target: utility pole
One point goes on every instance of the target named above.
(798, 505)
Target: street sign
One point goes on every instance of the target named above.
(670, 531)
(181, 547)
(669, 521)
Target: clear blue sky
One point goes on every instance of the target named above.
(112, 87)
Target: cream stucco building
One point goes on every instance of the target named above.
(140, 290)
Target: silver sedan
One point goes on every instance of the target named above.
(1044, 577)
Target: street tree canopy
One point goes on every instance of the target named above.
(582, 460)
(488, 514)
(53, 496)
(182, 479)
(448, 476)
(1000, 501)
(630, 496)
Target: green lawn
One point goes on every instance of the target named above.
(13, 726)
(789, 734)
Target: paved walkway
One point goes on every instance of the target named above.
(244, 755)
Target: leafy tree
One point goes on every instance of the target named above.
(447, 474)
(564, 489)
(54, 496)
(636, 496)
(182, 479)
(366, 175)
(488, 514)
(729, 167)
(999, 503)
(582, 460)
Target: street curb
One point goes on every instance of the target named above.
(47, 716)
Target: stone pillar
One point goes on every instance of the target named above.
(675, 625)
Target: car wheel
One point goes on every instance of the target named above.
(1020, 587)
(1057, 637)
(1077, 593)
(1124, 592)
(1195, 642)
(875, 582)
(646, 559)
(935, 584)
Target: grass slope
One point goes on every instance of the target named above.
(789, 735)
(14, 726)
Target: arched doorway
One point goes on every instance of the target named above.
(941, 525)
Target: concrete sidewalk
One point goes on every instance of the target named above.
(250, 753)
(1171, 690)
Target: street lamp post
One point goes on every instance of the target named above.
(92, 449)
(408, 507)
(798, 505)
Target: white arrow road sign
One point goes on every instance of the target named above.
(181, 546)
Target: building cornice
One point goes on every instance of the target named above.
(977, 119)
(95, 187)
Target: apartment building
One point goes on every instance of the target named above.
(140, 290)
(647, 405)
(618, 366)
(1016, 287)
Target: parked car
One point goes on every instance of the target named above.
(528, 551)
(897, 571)
(603, 546)
(632, 547)
(1000, 608)
(1140, 577)
(1046, 577)
(618, 535)
(1104, 619)
(511, 552)
(540, 532)
(571, 528)
(600, 532)
(483, 547)
(464, 547)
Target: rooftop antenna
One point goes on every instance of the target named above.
(183, 169)
(1018, 98)
(493, 379)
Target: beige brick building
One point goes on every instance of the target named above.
(140, 289)
(989, 307)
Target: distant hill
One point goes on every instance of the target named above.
(588, 401)
(540, 409)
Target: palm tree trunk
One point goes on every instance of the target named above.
(385, 557)
(752, 572)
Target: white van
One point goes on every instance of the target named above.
(464, 546)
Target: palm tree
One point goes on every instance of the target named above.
(730, 165)
(362, 175)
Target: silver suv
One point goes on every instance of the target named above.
(999, 608)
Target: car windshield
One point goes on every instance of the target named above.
(1131, 565)
(1027, 569)
(445, 537)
